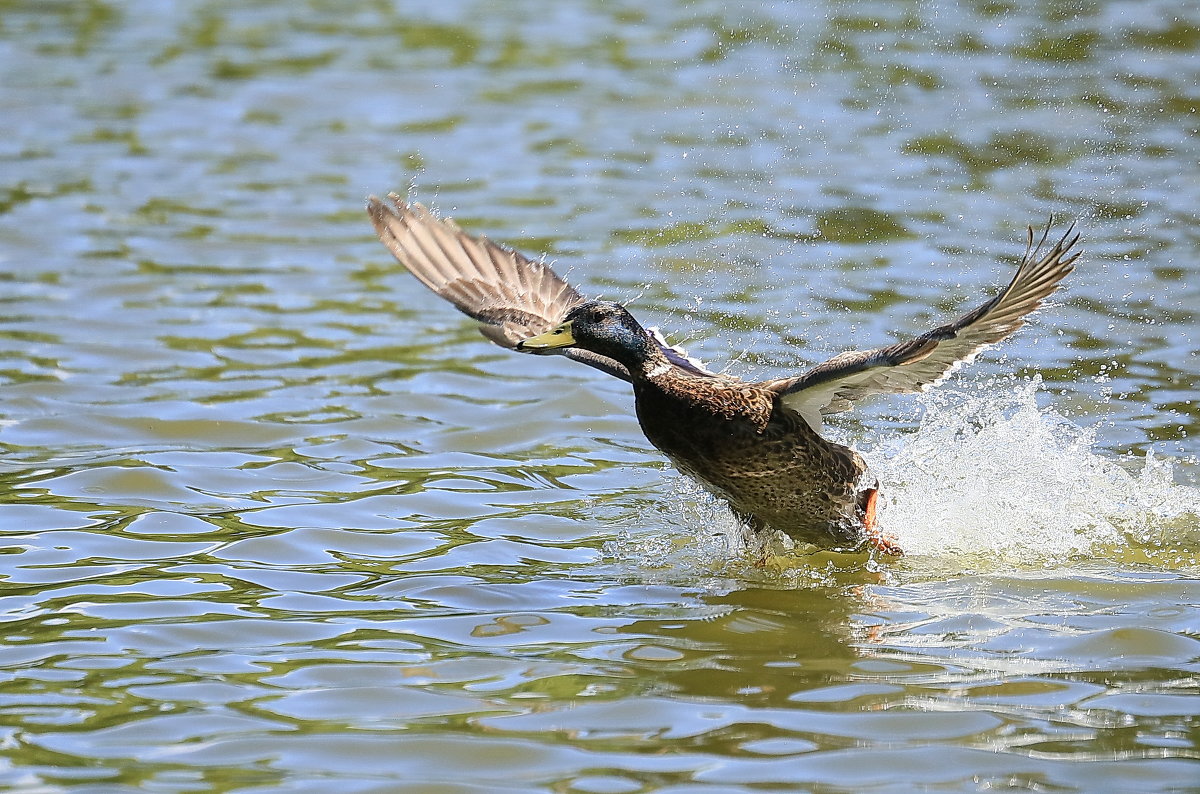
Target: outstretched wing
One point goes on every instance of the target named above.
(512, 296)
(918, 363)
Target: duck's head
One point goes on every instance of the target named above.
(602, 327)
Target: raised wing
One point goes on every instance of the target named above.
(513, 296)
(916, 364)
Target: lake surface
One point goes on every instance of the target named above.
(275, 519)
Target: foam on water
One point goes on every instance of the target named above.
(989, 474)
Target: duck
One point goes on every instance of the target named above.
(757, 446)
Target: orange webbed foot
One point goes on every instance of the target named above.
(881, 541)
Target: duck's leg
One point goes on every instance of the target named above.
(884, 543)
(756, 533)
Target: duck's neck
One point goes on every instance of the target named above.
(650, 366)
(632, 348)
(661, 366)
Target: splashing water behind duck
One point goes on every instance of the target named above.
(990, 475)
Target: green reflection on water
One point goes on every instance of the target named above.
(274, 517)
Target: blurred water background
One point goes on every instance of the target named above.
(276, 520)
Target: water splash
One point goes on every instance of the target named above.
(987, 481)
(988, 475)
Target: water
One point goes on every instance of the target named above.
(275, 520)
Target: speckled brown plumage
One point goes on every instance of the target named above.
(765, 460)
(758, 446)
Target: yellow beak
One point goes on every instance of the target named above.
(558, 337)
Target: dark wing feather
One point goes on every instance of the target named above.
(916, 364)
(512, 296)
